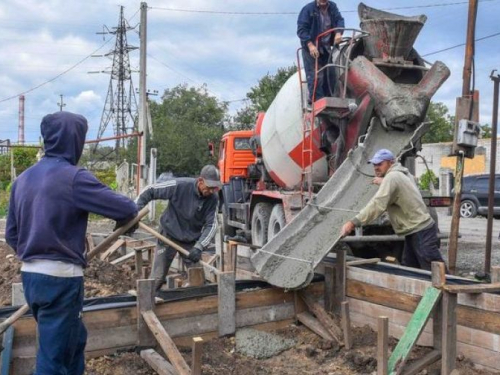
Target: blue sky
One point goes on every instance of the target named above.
(229, 52)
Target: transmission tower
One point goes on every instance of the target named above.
(120, 108)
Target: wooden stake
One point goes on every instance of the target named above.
(196, 356)
(383, 345)
(227, 304)
(321, 314)
(449, 331)
(438, 281)
(314, 325)
(138, 262)
(346, 325)
(340, 290)
(145, 302)
(438, 274)
(330, 276)
(166, 343)
(495, 274)
(196, 276)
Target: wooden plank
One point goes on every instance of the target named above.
(157, 362)
(145, 302)
(329, 294)
(340, 280)
(466, 316)
(361, 262)
(325, 319)
(196, 276)
(382, 345)
(118, 244)
(413, 330)
(166, 343)
(227, 303)
(314, 325)
(473, 289)
(196, 355)
(346, 325)
(415, 367)
(438, 274)
(449, 331)
(123, 258)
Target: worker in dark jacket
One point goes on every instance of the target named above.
(190, 218)
(314, 19)
(46, 226)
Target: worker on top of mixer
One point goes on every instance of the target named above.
(314, 19)
(398, 194)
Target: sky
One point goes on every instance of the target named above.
(49, 43)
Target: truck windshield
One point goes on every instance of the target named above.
(242, 144)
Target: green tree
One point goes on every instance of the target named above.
(261, 96)
(486, 131)
(442, 124)
(184, 123)
(426, 179)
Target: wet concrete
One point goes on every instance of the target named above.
(289, 259)
(260, 345)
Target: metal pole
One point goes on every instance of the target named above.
(493, 162)
(143, 128)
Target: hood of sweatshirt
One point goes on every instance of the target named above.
(397, 167)
(64, 135)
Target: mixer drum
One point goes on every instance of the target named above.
(282, 139)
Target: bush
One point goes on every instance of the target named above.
(4, 203)
(426, 178)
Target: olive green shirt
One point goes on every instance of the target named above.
(398, 194)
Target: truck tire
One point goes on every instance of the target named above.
(276, 221)
(260, 223)
(227, 230)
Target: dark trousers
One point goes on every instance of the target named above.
(422, 248)
(326, 78)
(163, 257)
(57, 303)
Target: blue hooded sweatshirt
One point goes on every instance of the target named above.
(50, 202)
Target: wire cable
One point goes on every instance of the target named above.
(57, 76)
(205, 11)
(460, 45)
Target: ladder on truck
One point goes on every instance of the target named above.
(312, 112)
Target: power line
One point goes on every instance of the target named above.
(460, 45)
(204, 11)
(57, 76)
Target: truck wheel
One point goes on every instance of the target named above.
(260, 223)
(276, 221)
(227, 230)
(468, 209)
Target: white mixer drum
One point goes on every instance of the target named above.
(281, 138)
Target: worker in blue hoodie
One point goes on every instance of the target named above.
(314, 19)
(46, 225)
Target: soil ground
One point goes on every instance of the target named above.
(310, 355)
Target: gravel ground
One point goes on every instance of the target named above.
(471, 244)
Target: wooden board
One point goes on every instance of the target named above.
(473, 289)
(166, 343)
(157, 362)
(118, 244)
(314, 325)
(325, 319)
(413, 330)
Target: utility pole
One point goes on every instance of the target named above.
(20, 133)
(466, 108)
(143, 127)
(61, 103)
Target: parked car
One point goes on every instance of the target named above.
(475, 196)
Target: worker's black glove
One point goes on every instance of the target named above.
(129, 232)
(194, 255)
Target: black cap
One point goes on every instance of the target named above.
(211, 176)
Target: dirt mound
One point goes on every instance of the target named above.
(101, 278)
(123, 364)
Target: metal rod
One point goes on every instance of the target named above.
(493, 162)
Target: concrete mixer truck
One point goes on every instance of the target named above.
(296, 151)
